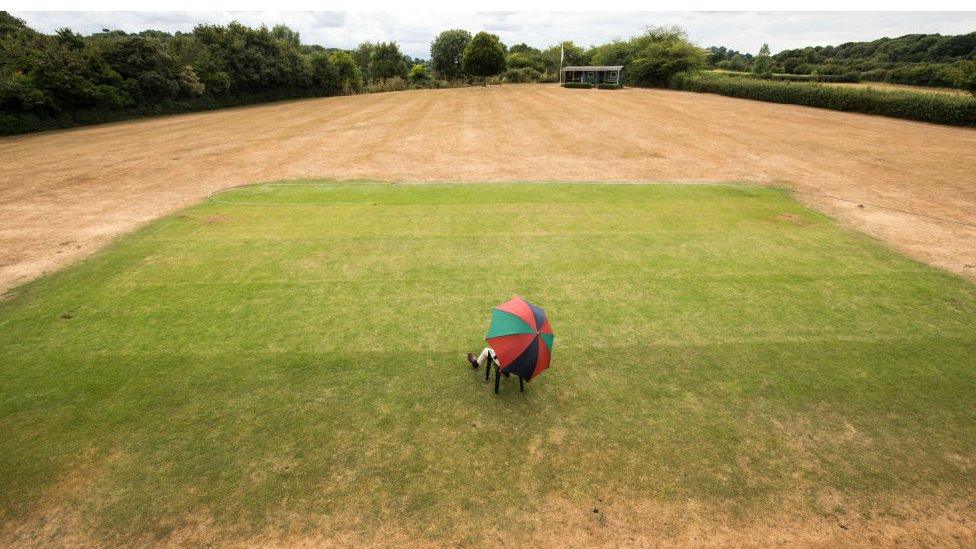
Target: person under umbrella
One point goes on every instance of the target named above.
(519, 341)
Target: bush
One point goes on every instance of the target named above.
(395, 83)
(609, 86)
(522, 75)
(419, 74)
(951, 109)
(580, 85)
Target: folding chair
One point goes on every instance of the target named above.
(498, 373)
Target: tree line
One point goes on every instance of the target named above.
(650, 58)
(914, 59)
(65, 79)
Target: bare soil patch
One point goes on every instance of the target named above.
(89, 185)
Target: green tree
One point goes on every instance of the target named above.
(616, 52)
(964, 76)
(190, 84)
(522, 56)
(386, 61)
(10, 25)
(323, 76)
(521, 60)
(524, 48)
(363, 55)
(446, 51)
(659, 54)
(419, 74)
(285, 35)
(347, 72)
(736, 63)
(484, 56)
(762, 64)
(572, 55)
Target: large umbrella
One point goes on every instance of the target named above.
(522, 338)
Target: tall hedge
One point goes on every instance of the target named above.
(939, 108)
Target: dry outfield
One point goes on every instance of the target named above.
(63, 194)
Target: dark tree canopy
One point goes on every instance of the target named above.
(54, 80)
(484, 56)
(386, 61)
(446, 51)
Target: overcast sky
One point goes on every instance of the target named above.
(744, 31)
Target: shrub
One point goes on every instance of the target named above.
(522, 75)
(395, 83)
(939, 108)
(419, 74)
(580, 85)
(609, 86)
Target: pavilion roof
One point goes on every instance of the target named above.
(594, 68)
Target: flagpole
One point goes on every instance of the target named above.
(561, 64)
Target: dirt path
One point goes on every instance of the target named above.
(64, 194)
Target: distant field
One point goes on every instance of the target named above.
(906, 102)
(885, 86)
(286, 365)
(863, 84)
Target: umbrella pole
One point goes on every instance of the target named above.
(488, 369)
(498, 376)
(521, 388)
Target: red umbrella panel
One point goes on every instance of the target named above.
(522, 338)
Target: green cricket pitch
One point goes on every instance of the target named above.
(286, 362)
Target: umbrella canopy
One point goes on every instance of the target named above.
(522, 338)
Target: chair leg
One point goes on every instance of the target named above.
(487, 370)
(498, 376)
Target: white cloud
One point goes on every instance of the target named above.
(744, 31)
